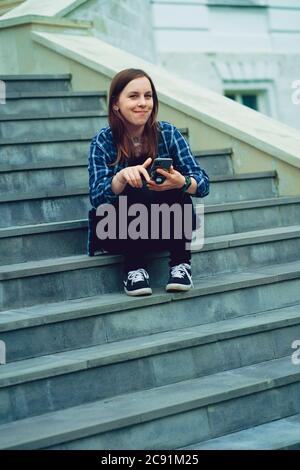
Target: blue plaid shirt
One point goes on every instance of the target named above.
(171, 144)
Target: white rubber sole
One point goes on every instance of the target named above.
(144, 291)
(178, 287)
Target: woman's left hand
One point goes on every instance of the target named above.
(174, 180)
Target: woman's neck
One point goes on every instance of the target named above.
(134, 131)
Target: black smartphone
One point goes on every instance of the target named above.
(165, 164)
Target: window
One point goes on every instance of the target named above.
(247, 99)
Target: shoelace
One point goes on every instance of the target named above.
(181, 270)
(137, 275)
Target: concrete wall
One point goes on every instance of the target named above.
(254, 47)
(126, 24)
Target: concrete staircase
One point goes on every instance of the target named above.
(90, 368)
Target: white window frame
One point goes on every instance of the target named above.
(263, 89)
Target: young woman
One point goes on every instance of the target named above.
(120, 160)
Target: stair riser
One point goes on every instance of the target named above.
(95, 280)
(53, 105)
(14, 212)
(44, 210)
(199, 424)
(244, 220)
(242, 190)
(98, 328)
(51, 153)
(221, 191)
(53, 393)
(56, 127)
(43, 246)
(37, 85)
(68, 242)
(67, 152)
(216, 165)
(24, 182)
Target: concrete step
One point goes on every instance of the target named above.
(51, 240)
(30, 83)
(45, 209)
(44, 151)
(139, 420)
(145, 362)
(53, 102)
(87, 135)
(215, 162)
(37, 153)
(53, 189)
(42, 241)
(51, 124)
(241, 187)
(49, 328)
(70, 154)
(38, 156)
(224, 187)
(280, 434)
(22, 285)
(251, 215)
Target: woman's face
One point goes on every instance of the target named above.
(135, 102)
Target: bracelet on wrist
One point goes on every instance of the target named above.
(187, 184)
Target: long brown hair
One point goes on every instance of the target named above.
(125, 148)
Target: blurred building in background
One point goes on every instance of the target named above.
(248, 50)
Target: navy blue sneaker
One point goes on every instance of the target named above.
(180, 278)
(137, 283)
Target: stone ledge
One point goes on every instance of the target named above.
(49, 140)
(64, 192)
(52, 94)
(17, 78)
(143, 406)
(257, 130)
(45, 8)
(77, 163)
(63, 115)
(61, 363)
(44, 20)
(21, 230)
(28, 317)
(281, 434)
(71, 263)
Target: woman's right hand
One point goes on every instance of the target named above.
(133, 174)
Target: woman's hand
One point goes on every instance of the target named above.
(174, 180)
(133, 174)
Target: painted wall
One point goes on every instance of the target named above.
(226, 44)
(126, 24)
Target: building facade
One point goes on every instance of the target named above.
(246, 50)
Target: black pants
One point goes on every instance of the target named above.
(134, 251)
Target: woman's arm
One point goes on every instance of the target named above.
(194, 186)
(118, 183)
(100, 174)
(186, 164)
